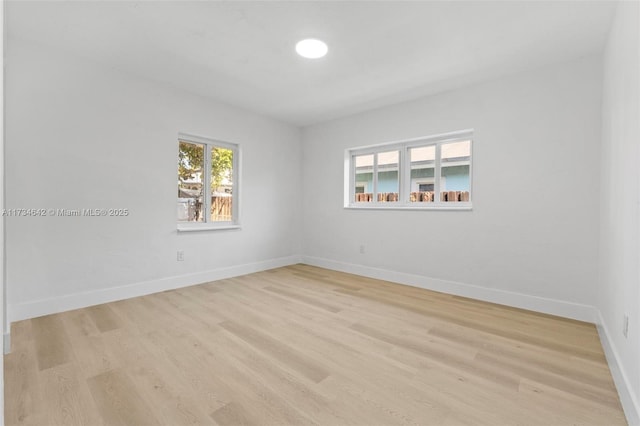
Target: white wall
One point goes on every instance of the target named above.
(620, 216)
(3, 320)
(82, 135)
(531, 239)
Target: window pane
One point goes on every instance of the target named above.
(190, 189)
(221, 184)
(423, 160)
(388, 184)
(455, 181)
(364, 178)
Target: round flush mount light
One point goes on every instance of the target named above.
(311, 48)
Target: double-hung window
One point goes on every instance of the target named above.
(208, 181)
(425, 173)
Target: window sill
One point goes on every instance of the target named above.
(389, 206)
(197, 227)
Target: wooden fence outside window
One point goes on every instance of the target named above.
(415, 197)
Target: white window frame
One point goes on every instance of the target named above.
(207, 225)
(404, 174)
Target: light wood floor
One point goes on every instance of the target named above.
(303, 345)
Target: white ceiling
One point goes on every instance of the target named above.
(381, 52)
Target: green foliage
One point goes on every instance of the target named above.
(221, 166)
(191, 162)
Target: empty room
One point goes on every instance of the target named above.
(320, 213)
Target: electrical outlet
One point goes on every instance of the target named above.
(180, 256)
(361, 249)
(625, 325)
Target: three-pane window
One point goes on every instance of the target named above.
(423, 173)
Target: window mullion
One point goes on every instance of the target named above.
(352, 182)
(207, 184)
(235, 199)
(436, 173)
(405, 175)
(375, 178)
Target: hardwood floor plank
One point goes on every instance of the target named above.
(533, 356)
(22, 335)
(292, 389)
(169, 399)
(438, 355)
(176, 392)
(228, 379)
(104, 317)
(68, 402)
(488, 326)
(275, 348)
(552, 400)
(182, 310)
(232, 414)
(89, 350)
(139, 315)
(79, 323)
(52, 345)
(118, 401)
(305, 299)
(24, 397)
(594, 394)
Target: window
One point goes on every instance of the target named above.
(430, 172)
(208, 175)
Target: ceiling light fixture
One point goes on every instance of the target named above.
(312, 48)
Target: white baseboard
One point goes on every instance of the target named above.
(21, 311)
(519, 300)
(628, 398)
